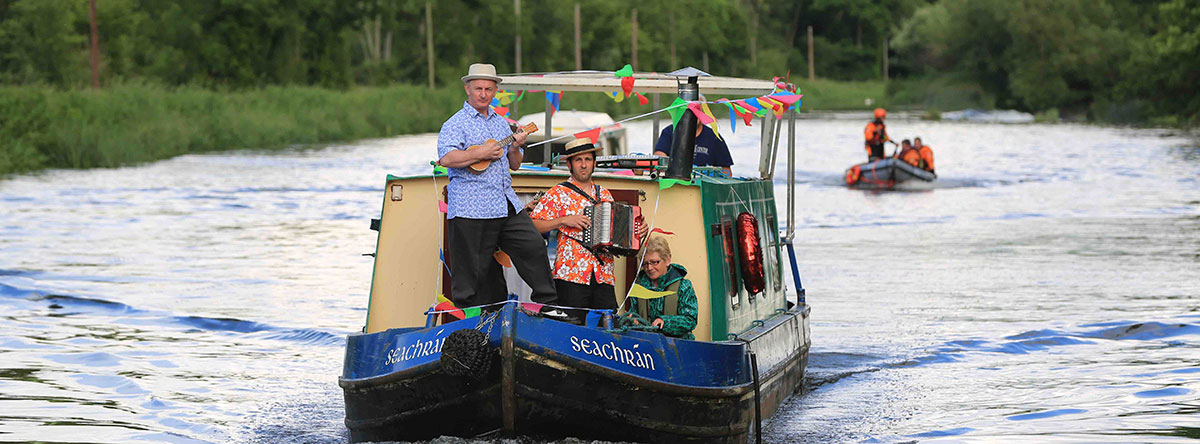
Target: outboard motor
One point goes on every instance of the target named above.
(683, 137)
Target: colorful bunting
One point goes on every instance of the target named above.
(676, 110)
(616, 96)
(660, 230)
(593, 134)
(501, 110)
(642, 100)
(626, 71)
(442, 206)
(505, 98)
(733, 115)
(553, 97)
(715, 127)
(627, 85)
(696, 108)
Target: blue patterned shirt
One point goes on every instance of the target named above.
(472, 195)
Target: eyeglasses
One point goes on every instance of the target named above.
(651, 263)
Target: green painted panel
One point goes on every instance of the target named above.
(733, 308)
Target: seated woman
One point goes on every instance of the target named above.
(675, 313)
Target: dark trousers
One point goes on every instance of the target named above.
(876, 152)
(594, 295)
(473, 268)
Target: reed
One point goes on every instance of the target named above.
(42, 127)
(130, 123)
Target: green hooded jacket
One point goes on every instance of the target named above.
(681, 324)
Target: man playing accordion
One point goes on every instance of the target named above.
(583, 276)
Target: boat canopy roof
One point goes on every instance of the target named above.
(646, 82)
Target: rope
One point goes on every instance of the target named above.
(642, 257)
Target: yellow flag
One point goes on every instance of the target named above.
(640, 292)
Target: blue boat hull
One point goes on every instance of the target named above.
(554, 379)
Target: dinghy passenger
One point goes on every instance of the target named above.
(926, 155)
(710, 149)
(876, 135)
(483, 211)
(583, 277)
(675, 312)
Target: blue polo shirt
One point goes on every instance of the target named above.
(710, 151)
(484, 195)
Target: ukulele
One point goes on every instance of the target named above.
(478, 167)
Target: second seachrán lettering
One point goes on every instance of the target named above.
(612, 352)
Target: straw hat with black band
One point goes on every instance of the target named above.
(577, 147)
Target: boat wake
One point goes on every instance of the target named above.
(62, 306)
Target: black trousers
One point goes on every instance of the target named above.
(876, 152)
(593, 295)
(474, 270)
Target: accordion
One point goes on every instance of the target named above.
(612, 228)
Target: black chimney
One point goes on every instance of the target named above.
(683, 137)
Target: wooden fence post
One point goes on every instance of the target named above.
(812, 72)
(578, 47)
(429, 40)
(635, 26)
(95, 56)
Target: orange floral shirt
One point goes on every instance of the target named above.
(573, 262)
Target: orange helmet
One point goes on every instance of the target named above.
(880, 113)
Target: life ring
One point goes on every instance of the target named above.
(750, 253)
(853, 175)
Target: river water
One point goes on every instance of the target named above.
(1046, 289)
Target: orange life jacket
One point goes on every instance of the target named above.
(927, 157)
(875, 134)
(911, 157)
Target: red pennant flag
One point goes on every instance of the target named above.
(627, 85)
(660, 230)
(747, 116)
(501, 110)
(642, 100)
(593, 134)
(444, 306)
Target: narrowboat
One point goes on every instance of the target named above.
(406, 377)
(886, 174)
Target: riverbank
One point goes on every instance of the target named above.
(126, 124)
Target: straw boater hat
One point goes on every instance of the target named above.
(481, 71)
(578, 146)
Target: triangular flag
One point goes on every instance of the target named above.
(715, 126)
(495, 102)
(593, 134)
(553, 98)
(733, 115)
(676, 110)
(616, 96)
(626, 71)
(501, 110)
(471, 312)
(642, 100)
(627, 85)
(785, 97)
(699, 112)
(450, 309)
(640, 292)
(504, 97)
(660, 230)
(750, 104)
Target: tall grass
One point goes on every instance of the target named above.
(131, 123)
(43, 127)
(835, 95)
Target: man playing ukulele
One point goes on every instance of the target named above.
(483, 210)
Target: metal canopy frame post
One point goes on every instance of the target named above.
(791, 178)
(546, 160)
